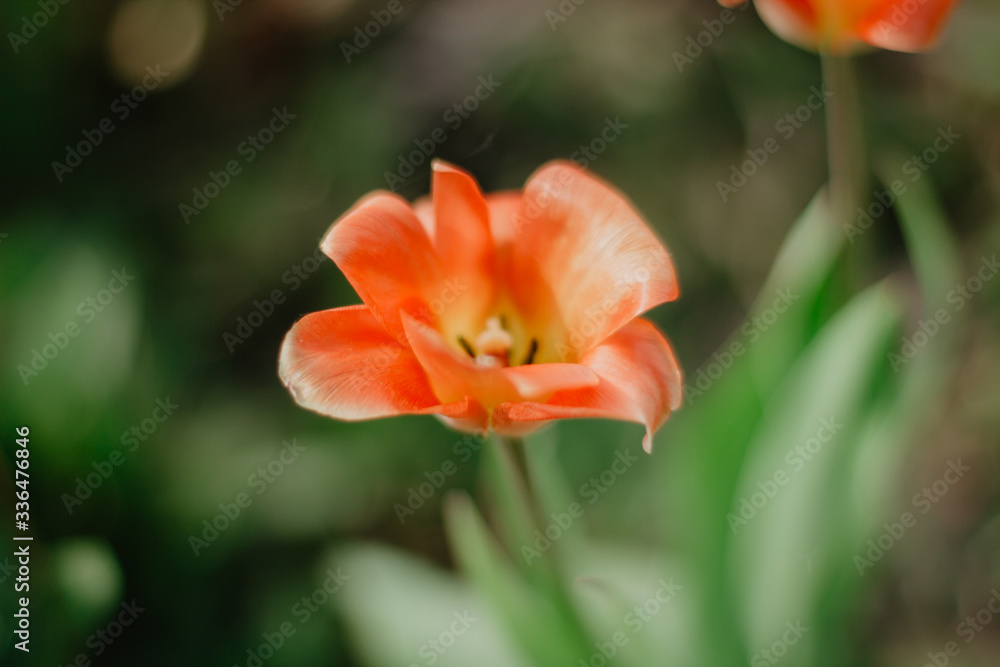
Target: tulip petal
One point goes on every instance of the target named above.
(842, 25)
(888, 25)
(504, 208)
(461, 223)
(795, 21)
(342, 363)
(424, 209)
(470, 418)
(454, 375)
(386, 255)
(600, 264)
(538, 382)
(639, 381)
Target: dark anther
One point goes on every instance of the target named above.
(465, 346)
(503, 321)
(532, 349)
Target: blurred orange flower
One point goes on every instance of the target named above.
(501, 311)
(840, 26)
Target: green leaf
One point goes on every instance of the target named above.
(394, 604)
(800, 271)
(932, 248)
(908, 401)
(707, 440)
(791, 536)
(934, 255)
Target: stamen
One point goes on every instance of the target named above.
(465, 346)
(532, 349)
(490, 361)
(493, 344)
(494, 339)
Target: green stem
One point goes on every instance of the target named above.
(845, 143)
(514, 448)
(526, 515)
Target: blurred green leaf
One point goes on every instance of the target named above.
(788, 535)
(932, 249)
(395, 605)
(935, 260)
(711, 433)
(800, 270)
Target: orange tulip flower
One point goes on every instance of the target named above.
(840, 26)
(501, 312)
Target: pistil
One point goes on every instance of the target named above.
(493, 345)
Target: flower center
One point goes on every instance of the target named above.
(492, 347)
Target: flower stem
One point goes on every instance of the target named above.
(519, 512)
(515, 450)
(848, 172)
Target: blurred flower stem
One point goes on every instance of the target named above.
(848, 170)
(522, 517)
(513, 450)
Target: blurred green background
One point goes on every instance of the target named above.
(124, 495)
